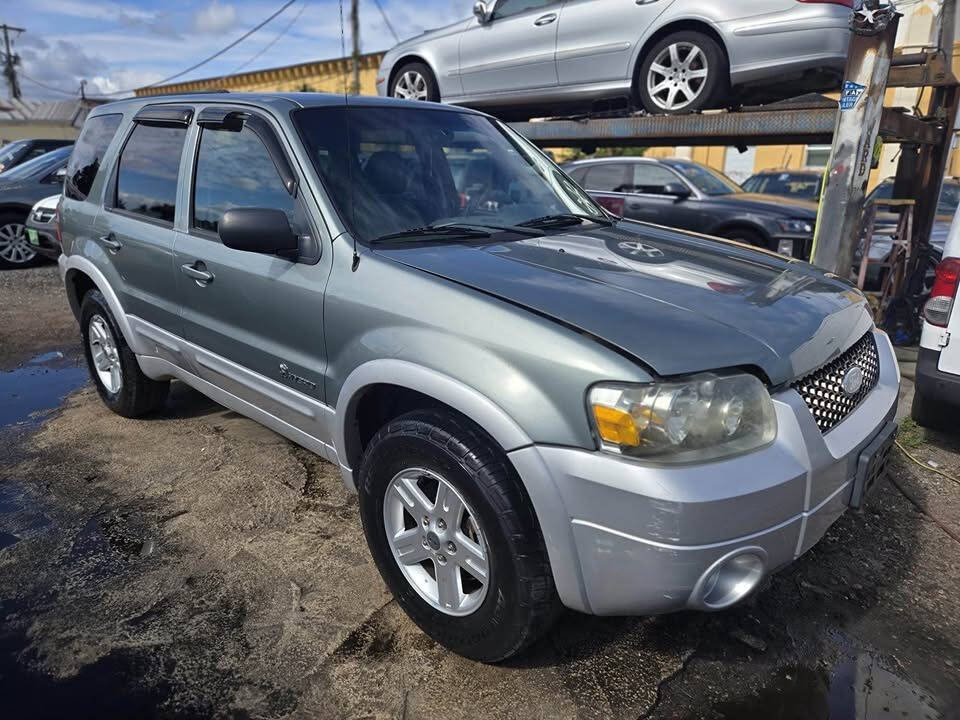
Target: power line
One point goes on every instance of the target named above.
(272, 42)
(386, 19)
(48, 87)
(217, 54)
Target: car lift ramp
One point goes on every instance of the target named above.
(803, 121)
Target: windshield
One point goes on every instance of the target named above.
(408, 168)
(949, 199)
(707, 180)
(11, 152)
(799, 185)
(39, 166)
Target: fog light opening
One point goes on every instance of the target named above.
(730, 580)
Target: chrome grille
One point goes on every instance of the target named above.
(822, 390)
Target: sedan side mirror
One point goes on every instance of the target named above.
(677, 190)
(260, 230)
(480, 10)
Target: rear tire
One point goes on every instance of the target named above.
(679, 65)
(414, 81)
(496, 613)
(931, 413)
(113, 365)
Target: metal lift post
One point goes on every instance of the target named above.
(857, 126)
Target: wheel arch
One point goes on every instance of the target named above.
(406, 60)
(725, 228)
(673, 26)
(79, 277)
(15, 207)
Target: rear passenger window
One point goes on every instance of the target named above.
(88, 154)
(147, 174)
(609, 177)
(234, 169)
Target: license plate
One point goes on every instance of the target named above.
(872, 464)
(33, 236)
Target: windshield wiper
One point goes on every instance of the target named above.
(461, 231)
(564, 219)
(520, 229)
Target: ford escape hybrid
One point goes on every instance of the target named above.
(540, 404)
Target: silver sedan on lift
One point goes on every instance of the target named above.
(524, 58)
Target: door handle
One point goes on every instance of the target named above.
(646, 2)
(545, 19)
(198, 271)
(111, 243)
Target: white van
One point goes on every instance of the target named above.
(937, 394)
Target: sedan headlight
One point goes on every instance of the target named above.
(703, 417)
(796, 227)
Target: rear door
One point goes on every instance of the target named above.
(596, 38)
(256, 319)
(135, 232)
(606, 182)
(515, 50)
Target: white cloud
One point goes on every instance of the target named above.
(215, 18)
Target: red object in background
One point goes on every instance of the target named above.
(613, 204)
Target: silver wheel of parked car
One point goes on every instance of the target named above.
(106, 356)
(15, 249)
(436, 540)
(677, 76)
(411, 86)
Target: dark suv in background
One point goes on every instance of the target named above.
(686, 195)
(21, 151)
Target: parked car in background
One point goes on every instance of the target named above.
(936, 398)
(525, 58)
(800, 184)
(20, 189)
(686, 195)
(20, 151)
(41, 228)
(539, 404)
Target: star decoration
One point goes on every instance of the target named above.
(867, 15)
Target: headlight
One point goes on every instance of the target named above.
(796, 227)
(785, 247)
(703, 417)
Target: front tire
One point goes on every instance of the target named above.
(415, 81)
(15, 249)
(113, 365)
(684, 72)
(454, 535)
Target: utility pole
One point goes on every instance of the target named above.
(10, 61)
(83, 94)
(355, 31)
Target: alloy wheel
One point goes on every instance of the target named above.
(14, 246)
(105, 354)
(677, 76)
(436, 539)
(411, 86)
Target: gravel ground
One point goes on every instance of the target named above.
(195, 564)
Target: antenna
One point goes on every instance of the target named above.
(346, 117)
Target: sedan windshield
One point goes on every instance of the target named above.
(39, 166)
(398, 170)
(707, 180)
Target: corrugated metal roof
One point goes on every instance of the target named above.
(66, 112)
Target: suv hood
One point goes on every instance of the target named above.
(775, 204)
(679, 303)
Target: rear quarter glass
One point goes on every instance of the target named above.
(87, 156)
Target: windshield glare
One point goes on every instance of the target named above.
(408, 168)
(42, 165)
(707, 180)
(11, 151)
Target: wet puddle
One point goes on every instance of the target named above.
(39, 384)
(860, 688)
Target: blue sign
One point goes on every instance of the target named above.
(851, 94)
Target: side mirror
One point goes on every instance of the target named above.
(480, 10)
(676, 190)
(260, 230)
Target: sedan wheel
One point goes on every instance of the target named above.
(436, 540)
(15, 249)
(411, 86)
(677, 76)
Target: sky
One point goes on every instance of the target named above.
(121, 44)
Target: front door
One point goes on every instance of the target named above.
(648, 200)
(514, 50)
(135, 232)
(255, 320)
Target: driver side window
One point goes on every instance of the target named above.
(506, 8)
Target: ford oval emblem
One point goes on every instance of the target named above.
(852, 381)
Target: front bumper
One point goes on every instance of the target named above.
(629, 538)
(47, 242)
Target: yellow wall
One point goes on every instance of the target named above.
(21, 130)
